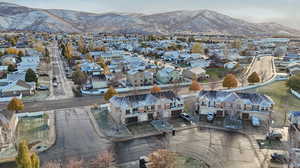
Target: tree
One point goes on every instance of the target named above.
(294, 82)
(155, 89)
(110, 93)
(197, 48)
(68, 51)
(11, 50)
(52, 164)
(103, 160)
(20, 53)
(253, 78)
(47, 54)
(23, 159)
(79, 77)
(81, 46)
(73, 163)
(195, 86)
(15, 105)
(89, 57)
(230, 81)
(162, 158)
(35, 161)
(11, 68)
(31, 76)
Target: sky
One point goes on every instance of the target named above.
(285, 12)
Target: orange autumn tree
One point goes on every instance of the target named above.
(155, 89)
(15, 105)
(230, 81)
(195, 86)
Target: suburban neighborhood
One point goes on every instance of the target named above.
(99, 99)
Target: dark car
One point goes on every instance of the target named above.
(274, 136)
(186, 117)
(278, 158)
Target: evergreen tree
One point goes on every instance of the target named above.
(30, 76)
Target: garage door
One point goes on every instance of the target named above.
(245, 116)
(130, 120)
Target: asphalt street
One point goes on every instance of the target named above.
(218, 149)
(76, 137)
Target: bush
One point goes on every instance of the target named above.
(294, 82)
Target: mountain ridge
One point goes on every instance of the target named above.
(17, 17)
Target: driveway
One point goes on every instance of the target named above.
(76, 137)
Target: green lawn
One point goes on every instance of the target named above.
(188, 162)
(32, 129)
(284, 100)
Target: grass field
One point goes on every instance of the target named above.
(32, 129)
(284, 100)
(188, 162)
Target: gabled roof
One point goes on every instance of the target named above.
(141, 100)
(247, 98)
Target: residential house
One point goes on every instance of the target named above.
(293, 68)
(17, 88)
(194, 73)
(138, 78)
(91, 68)
(168, 75)
(244, 105)
(145, 107)
(8, 124)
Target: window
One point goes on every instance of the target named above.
(135, 110)
(152, 107)
(127, 111)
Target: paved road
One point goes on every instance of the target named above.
(64, 88)
(263, 66)
(228, 150)
(76, 137)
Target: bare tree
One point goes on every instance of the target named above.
(52, 164)
(162, 158)
(74, 163)
(104, 160)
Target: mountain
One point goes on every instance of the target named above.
(16, 17)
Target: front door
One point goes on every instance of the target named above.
(245, 116)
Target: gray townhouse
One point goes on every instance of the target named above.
(244, 105)
(146, 107)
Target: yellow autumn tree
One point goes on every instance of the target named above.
(110, 93)
(197, 48)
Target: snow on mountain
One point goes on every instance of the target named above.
(15, 17)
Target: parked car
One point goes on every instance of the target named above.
(278, 158)
(42, 87)
(186, 117)
(274, 136)
(210, 117)
(255, 121)
(54, 79)
(55, 84)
